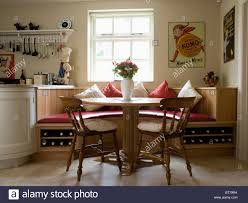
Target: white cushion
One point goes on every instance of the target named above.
(155, 125)
(139, 90)
(100, 125)
(92, 92)
(189, 91)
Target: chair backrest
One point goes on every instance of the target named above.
(74, 109)
(180, 109)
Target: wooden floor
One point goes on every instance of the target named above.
(221, 171)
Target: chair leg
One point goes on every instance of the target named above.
(139, 145)
(162, 148)
(167, 162)
(81, 157)
(184, 153)
(117, 151)
(71, 153)
(102, 156)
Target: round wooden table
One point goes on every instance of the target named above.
(130, 120)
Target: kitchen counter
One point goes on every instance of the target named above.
(38, 86)
(18, 117)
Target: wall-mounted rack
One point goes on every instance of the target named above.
(63, 33)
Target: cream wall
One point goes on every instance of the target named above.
(47, 15)
(235, 72)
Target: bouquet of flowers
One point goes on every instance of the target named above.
(126, 69)
(211, 79)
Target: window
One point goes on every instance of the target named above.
(116, 36)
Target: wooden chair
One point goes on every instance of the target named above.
(165, 130)
(88, 128)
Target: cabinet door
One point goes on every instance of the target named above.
(17, 123)
(41, 103)
(227, 104)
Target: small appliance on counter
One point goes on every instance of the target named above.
(29, 81)
(40, 79)
(50, 78)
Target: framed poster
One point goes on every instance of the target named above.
(7, 64)
(229, 36)
(186, 44)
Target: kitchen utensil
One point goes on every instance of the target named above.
(10, 46)
(44, 51)
(2, 43)
(29, 47)
(47, 50)
(18, 47)
(39, 47)
(14, 48)
(24, 46)
(53, 46)
(35, 53)
(45, 54)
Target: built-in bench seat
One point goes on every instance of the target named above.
(63, 118)
(211, 130)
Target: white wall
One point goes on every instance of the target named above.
(242, 47)
(47, 15)
(235, 72)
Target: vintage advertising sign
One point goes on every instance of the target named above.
(186, 44)
(229, 35)
(7, 63)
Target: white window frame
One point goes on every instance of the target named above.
(92, 37)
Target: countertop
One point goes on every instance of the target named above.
(38, 86)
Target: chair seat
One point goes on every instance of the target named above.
(154, 126)
(100, 125)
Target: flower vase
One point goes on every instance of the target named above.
(127, 86)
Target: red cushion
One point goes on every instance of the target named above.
(163, 91)
(62, 118)
(111, 91)
(160, 113)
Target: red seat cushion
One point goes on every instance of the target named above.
(159, 113)
(62, 118)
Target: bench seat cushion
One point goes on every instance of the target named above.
(62, 117)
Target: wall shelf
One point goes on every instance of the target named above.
(63, 33)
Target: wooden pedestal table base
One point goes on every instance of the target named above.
(129, 140)
(130, 120)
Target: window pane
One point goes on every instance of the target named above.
(103, 50)
(122, 50)
(103, 71)
(145, 72)
(141, 50)
(122, 25)
(117, 37)
(103, 26)
(140, 25)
